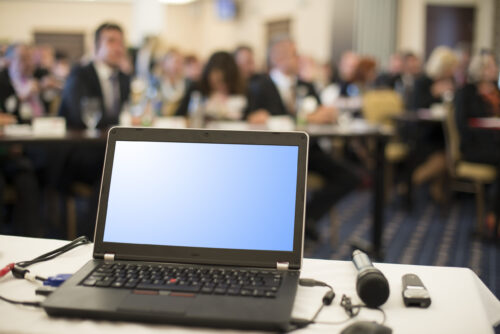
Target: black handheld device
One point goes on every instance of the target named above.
(414, 292)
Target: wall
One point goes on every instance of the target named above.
(411, 22)
(18, 19)
(194, 27)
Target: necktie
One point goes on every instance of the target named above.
(115, 100)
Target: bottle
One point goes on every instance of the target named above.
(195, 110)
(301, 116)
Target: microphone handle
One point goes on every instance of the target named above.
(361, 260)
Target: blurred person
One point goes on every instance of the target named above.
(19, 101)
(347, 68)
(437, 82)
(479, 98)
(144, 59)
(222, 88)
(463, 53)
(192, 68)
(307, 69)
(365, 74)
(244, 57)
(274, 94)
(392, 78)
(412, 68)
(171, 85)
(101, 79)
(44, 58)
(19, 89)
(436, 85)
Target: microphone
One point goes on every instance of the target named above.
(371, 285)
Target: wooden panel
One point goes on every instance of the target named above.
(71, 44)
(448, 25)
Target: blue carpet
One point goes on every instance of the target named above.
(426, 235)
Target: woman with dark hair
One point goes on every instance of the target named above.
(222, 90)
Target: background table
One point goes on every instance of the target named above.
(461, 303)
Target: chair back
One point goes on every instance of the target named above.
(380, 106)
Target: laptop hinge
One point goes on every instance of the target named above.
(109, 257)
(282, 265)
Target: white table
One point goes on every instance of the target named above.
(461, 303)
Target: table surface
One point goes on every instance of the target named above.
(357, 128)
(461, 303)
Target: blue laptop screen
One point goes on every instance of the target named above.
(203, 195)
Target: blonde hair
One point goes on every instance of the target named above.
(441, 59)
(477, 64)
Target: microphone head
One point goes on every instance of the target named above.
(372, 287)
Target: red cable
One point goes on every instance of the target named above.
(7, 269)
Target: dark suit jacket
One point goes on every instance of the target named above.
(84, 82)
(7, 92)
(422, 96)
(477, 145)
(265, 95)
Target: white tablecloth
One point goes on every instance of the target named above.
(461, 303)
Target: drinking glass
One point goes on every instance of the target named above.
(91, 113)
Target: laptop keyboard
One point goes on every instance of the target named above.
(219, 281)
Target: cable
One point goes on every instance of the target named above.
(19, 269)
(16, 302)
(298, 323)
(352, 311)
(56, 252)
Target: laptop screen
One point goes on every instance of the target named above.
(230, 196)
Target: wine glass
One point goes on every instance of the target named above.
(91, 113)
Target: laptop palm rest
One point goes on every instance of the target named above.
(177, 305)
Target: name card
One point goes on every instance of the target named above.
(17, 130)
(170, 122)
(49, 127)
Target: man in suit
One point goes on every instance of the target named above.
(101, 79)
(276, 94)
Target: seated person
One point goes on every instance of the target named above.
(171, 85)
(101, 79)
(481, 98)
(19, 90)
(244, 57)
(222, 90)
(435, 86)
(20, 102)
(274, 94)
(392, 78)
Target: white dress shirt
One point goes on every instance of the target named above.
(104, 73)
(286, 86)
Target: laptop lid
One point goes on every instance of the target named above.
(203, 196)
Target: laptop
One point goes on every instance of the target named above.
(195, 227)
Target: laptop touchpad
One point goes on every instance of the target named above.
(156, 303)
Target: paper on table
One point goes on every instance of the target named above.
(170, 122)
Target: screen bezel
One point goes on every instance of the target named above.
(194, 254)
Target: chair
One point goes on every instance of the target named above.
(78, 190)
(466, 176)
(380, 107)
(314, 183)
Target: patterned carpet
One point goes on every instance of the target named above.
(426, 235)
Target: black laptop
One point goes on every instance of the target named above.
(196, 227)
